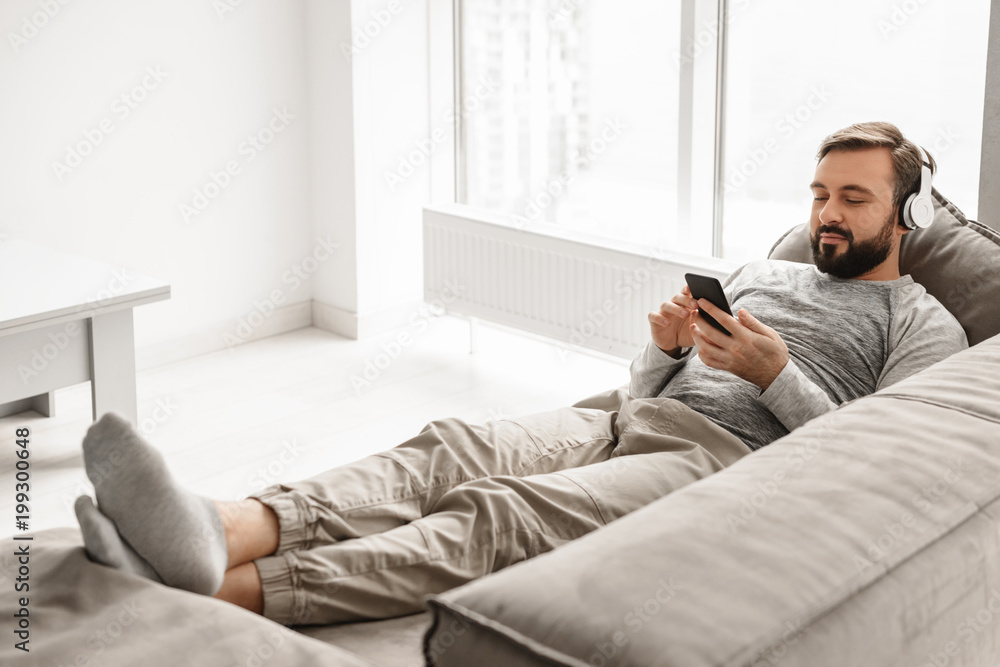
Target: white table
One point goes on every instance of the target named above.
(66, 319)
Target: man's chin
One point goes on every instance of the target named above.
(830, 261)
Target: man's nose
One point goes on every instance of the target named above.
(831, 213)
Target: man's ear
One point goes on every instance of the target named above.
(901, 227)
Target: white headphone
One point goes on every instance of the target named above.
(918, 211)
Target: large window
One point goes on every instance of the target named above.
(581, 129)
(799, 70)
(599, 116)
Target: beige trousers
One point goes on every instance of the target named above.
(370, 539)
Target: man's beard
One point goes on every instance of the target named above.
(859, 258)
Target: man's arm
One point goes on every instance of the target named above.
(668, 348)
(652, 368)
(756, 353)
(795, 399)
(921, 333)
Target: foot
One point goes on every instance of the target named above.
(178, 533)
(104, 545)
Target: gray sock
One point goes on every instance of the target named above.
(103, 543)
(178, 533)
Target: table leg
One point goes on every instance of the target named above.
(112, 364)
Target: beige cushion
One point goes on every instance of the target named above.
(869, 536)
(82, 613)
(956, 259)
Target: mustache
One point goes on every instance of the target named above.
(829, 229)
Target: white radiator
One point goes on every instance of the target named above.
(540, 280)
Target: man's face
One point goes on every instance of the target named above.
(852, 229)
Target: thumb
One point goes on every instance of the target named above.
(752, 323)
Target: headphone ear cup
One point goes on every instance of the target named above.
(921, 211)
(906, 219)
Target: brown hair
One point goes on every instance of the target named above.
(906, 157)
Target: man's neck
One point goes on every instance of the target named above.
(887, 270)
(882, 272)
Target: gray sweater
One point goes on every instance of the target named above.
(845, 338)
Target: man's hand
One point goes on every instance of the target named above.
(669, 326)
(755, 351)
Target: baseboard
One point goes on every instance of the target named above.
(355, 325)
(224, 335)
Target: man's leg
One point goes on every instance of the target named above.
(401, 485)
(192, 542)
(489, 523)
(396, 487)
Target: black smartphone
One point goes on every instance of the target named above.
(706, 287)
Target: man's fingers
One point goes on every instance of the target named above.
(752, 323)
(684, 301)
(721, 316)
(658, 319)
(671, 309)
(700, 328)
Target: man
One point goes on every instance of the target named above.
(458, 501)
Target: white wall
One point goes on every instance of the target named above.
(331, 151)
(384, 59)
(222, 73)
(353, 76)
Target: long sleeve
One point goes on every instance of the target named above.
(795, 399)
(651, 369)
(921, 333)
(846, 339)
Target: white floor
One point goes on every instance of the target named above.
(283, 408)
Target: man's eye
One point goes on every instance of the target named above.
(855, 201)
(820, 198)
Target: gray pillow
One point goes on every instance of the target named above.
(957, 260)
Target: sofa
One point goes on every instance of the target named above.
(869, 536)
